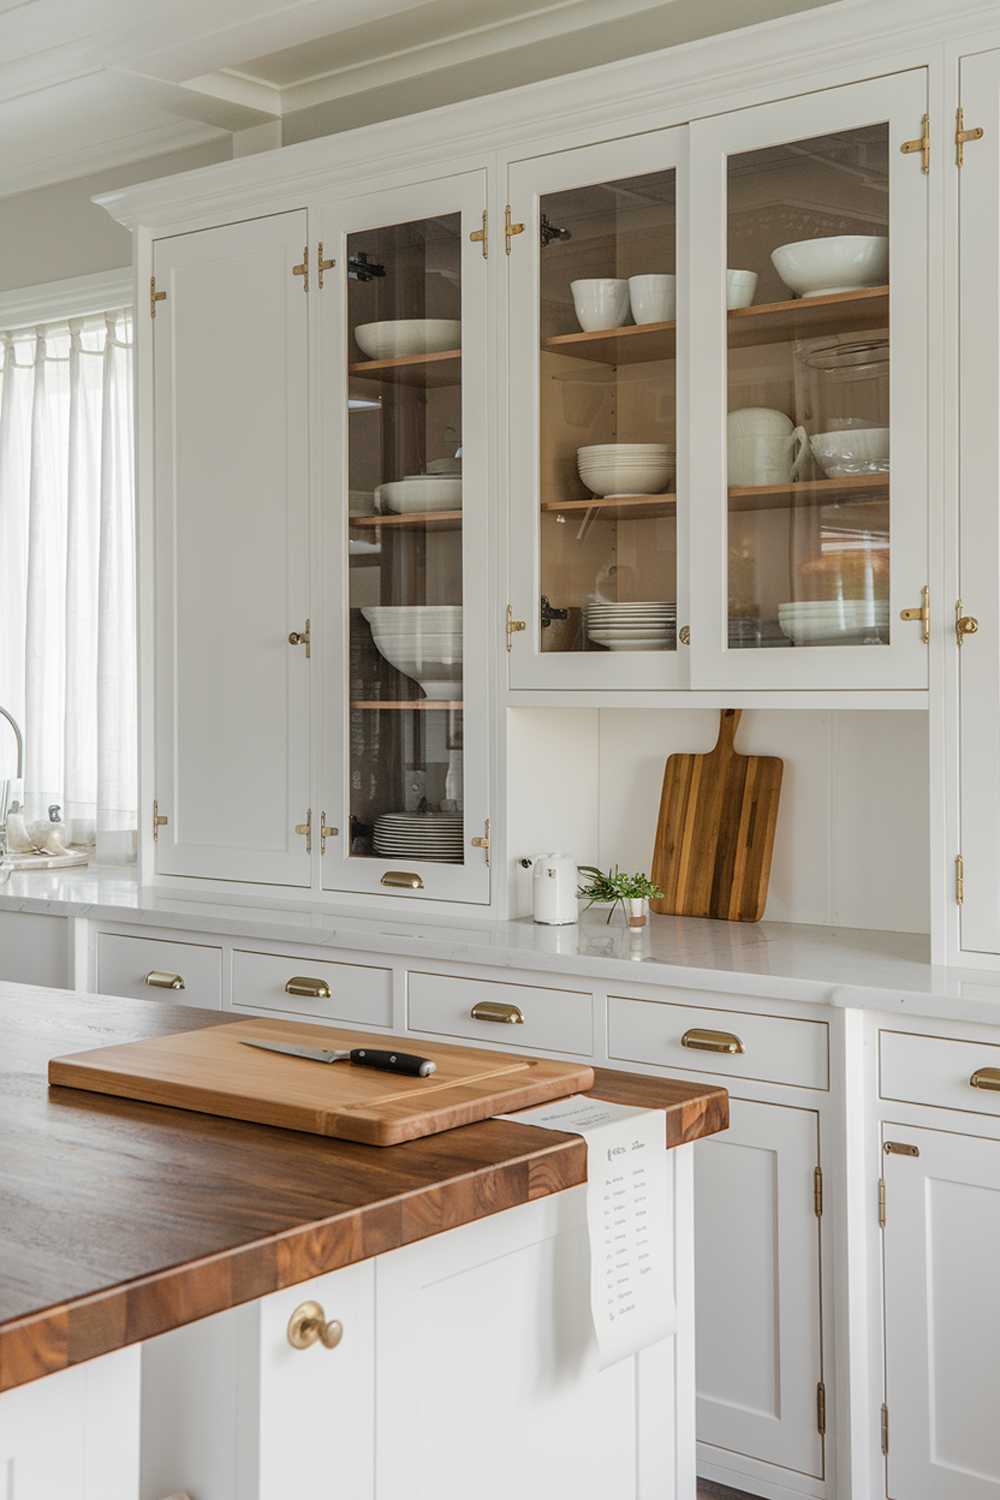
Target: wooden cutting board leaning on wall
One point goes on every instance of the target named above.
(715, 834)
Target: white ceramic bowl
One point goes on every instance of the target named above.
(427, 649)
(855, 450)
(741, 288)
(836, 263)
(653, 298)
(401, 337)
(420, 492)
(600, 302)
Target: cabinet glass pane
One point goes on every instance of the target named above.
(607, 409)
(808, 423)
(405, 541)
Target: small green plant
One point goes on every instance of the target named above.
(614, 886)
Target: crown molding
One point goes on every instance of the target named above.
(57, 301)
(87, 161)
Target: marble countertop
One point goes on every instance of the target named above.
(846, 967)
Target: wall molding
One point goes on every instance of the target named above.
(77, 297)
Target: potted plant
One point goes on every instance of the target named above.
(632, 892)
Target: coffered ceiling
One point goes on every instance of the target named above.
(90, 84)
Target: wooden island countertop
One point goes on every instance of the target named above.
(120, 1221)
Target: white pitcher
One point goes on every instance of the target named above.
(764, 447)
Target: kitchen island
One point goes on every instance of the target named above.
(151, 1261)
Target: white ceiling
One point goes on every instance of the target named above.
(90, 84)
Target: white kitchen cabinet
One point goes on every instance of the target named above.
(758, 1308)
(942, 1314)
(232, 547)
(34, 948)
(149, 968)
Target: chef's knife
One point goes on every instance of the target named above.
(365, 1057)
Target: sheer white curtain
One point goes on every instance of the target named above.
(67, 573)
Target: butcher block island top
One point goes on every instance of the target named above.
(122, 1220)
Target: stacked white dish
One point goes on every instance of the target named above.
(423, 642)
(399, 338)
(627, 468)
(410, 836)
(835, 622)
(419, 492)
(645, 625)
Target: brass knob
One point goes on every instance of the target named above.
(308, 1325)
(966, 625)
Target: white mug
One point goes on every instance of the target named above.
(767, 459)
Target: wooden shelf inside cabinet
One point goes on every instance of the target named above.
(856, 487)
(424, 705)
(809, 317)
(617, 507)
(414, 369)
(423, 520)
(618, 346)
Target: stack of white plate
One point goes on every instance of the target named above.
(422, 641)
(648, 625)
(627, 468)
(836, 622)
(410, 836)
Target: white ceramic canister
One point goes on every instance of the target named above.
(554, 884)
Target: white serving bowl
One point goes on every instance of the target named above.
(835, 263)
(420, 492)
(626, 468)
(427, 651)
(600, 302)
(653, 298)
(854, 450)
(398, 338)
(741, 288)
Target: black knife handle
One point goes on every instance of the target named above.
(393, 1062)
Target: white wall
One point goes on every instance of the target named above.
(852, 840)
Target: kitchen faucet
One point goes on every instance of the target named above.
(5, 808)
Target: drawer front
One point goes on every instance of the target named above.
(157, 969)
(314, 989)
(734, 1043)
(514, 1015)
(34, 949)
(938, 1071)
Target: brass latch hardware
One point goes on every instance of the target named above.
(513, 625)
(818, 1192)
(308, 989)
(305, 830)
(160, 820)
(900, 1148)
(885, 1428)
(497, 1010)
(159, 979)
(821, 1408)
(484, 842)
(302, 269)
(482, 236)
(325, 832)
(921, 144)
(510, 228)
(302, 638)
(684, 635)
(964, 624)
(962, 136)
(881, 1203)
(402, 879)
(308, 1326)
(322, 265)
(923, 614)
(959, 879)
(986, 1078)
(700, 1040)
(154, 296)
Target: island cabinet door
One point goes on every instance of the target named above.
(757, 1270)
(809, 391)
(231, 551)
(941, 1251)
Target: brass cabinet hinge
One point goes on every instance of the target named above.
(923, 614)
(512, 625)
(510, 228)
(900, 1148)
(302, 269)
(305, 830)
(482, 236)
(484, 841)
(959, 879)
(881, 1203)
(962, 136)
(159, 821)
(821, 1408)
(818, 1192)
(885, 1428)
(921, 144)
(322, 265)
(154, 296)
(302, 638)
(325, 832)
(964, 624)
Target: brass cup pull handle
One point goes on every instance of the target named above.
(403, 879)
(712, 1041)
(986, 1078)
(308, 1325)
(308, 989)
(494, 1010)
(157, 979)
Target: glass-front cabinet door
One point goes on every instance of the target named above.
(597, 328)
(808, 382)
(403, 509)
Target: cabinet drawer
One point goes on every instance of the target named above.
(774, 1050)
(312, 988)
(938, 1071)
(158, 969)
(554, 1020)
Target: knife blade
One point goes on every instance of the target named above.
(363, 1057)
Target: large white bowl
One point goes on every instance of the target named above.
(836, 263)
(430, 655)
(420, 492)
(400, 337)
(854, 450)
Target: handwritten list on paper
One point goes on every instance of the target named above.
(628, 1219)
